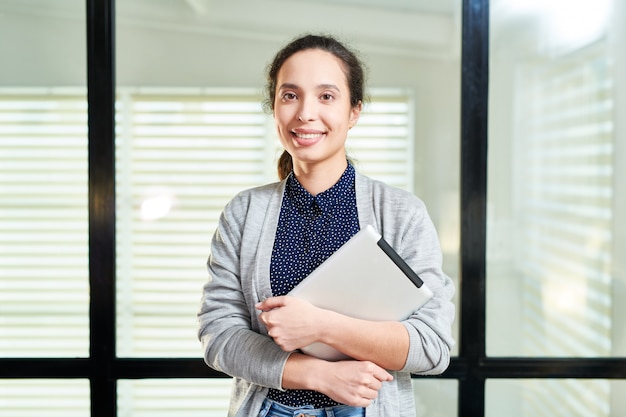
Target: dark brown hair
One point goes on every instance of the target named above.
(352, 67)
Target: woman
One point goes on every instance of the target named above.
(269, 238)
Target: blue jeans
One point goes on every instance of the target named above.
(274, 409)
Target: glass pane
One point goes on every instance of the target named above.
(44, 272)
(173, 397)
(435, 397)
(44, 398)
(192, 133)
(555, 209)
(555, 398)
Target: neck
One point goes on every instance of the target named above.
(317, 178)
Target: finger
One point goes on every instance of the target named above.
(375, 384)
(371, 383)
(270, 303)
(370, 394)
(382, 375)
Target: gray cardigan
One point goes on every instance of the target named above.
(236, 343)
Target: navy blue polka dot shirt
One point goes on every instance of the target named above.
(310, 229)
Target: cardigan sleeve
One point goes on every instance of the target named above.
(231, 344)
(430, 327)
(403, 220)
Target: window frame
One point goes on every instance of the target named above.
(471, 368)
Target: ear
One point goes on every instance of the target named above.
(355, 113)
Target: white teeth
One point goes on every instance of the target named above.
(308, 135)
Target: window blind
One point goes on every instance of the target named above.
(174, 397)
(565, 217)
(180, 156)
(44, 398)
(380, 142)
(43, 224)
(180, 159)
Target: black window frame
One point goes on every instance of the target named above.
(472, 368)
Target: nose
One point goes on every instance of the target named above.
(307, 110)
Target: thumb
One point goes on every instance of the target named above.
(270, 303)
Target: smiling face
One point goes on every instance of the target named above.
(312, 110)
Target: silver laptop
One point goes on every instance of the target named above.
(366, 279)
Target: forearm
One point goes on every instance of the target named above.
(386, 343)
(303, 372)
(349, 382)
(294, 323)
(247, 355)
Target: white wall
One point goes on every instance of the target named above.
(42, 51)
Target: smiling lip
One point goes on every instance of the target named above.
(307, 138)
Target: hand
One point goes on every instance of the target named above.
(353, 383)
(292, 322)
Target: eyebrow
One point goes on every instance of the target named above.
(319, 87)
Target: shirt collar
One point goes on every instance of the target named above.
(326, 201)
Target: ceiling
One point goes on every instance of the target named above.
(408, 6)
(424, 28)
(399, 27)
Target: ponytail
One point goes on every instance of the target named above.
(285, 165)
